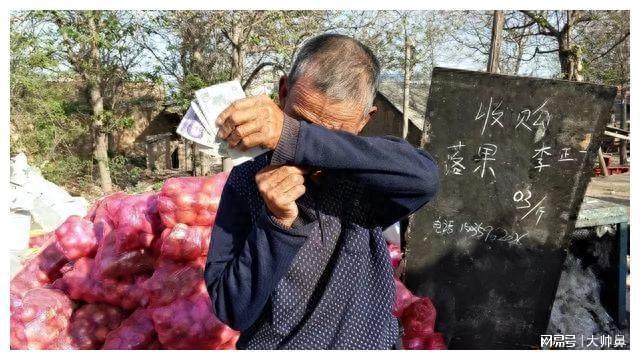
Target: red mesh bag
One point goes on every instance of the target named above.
(433, 341)
(418, 319)
(81, 284)
(233, 336)
(137, 222)
(189, 323)
(62, 342)
(106, 207)
(91, 323)
(184, 243)
(191, 200)
(41, 270)
(404, 298)
(41, 240)
(104, 214)
(39, 319)
(75, 238)
(172, 281)
(135, 333)
(111, 263)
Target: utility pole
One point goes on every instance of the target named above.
(407, 80)
(493, 66)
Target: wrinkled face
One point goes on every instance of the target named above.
(303, 102)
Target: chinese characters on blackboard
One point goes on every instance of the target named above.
(485, 160)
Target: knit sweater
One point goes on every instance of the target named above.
(326, 282)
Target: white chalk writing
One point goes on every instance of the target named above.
(474, 229)
(539, 156)
(486, 152)
(540, 116)
(521, 198)
(492, 111)
(453, 164)
(564, 155)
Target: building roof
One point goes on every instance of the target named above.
(393, 92)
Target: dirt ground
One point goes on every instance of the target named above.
(613, 188)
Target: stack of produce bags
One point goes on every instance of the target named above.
(417, 314)
(129, 275)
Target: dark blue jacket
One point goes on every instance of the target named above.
(251, 267)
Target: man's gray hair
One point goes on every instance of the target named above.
(339, 66)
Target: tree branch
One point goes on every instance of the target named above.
(542, 22)
(255, 72)
(519, 26)
(623, 38)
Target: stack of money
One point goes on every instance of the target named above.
(199, 123)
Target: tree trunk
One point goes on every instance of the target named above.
(569, 55)
(407, 84)
(493, 66)
(237, 52)
(100, 139)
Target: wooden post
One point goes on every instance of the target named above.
(623, 126)
(493, 66)
(603, 164)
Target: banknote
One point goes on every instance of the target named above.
(200, 115)
(237, 156)
(192, 128)
(199, 123)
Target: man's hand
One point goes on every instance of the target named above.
(280, 186)
(250, 122)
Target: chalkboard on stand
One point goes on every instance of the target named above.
(515, 155)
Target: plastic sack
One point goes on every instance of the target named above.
(396, 255)
(189, 323)
(136, 332)
(39, 319)
(41, 270)
(184, 243)
(137, 222)
(75, 238)
(171, 281)
(191, 200)
(91, 323)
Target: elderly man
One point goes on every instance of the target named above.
(297, 257)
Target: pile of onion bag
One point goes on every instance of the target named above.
(129, 275)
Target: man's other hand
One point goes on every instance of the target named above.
(250, 122)
(280, 186)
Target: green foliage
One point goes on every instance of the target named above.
(125, 171)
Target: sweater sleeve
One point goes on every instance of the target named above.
(399, 178)
(247, 259)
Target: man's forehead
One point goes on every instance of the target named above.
(307, 101)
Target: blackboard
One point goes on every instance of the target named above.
(515, 155)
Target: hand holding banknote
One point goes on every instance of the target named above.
(250, 122)
(199, 123)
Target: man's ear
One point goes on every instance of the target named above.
(368, 117)
(282, 91)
